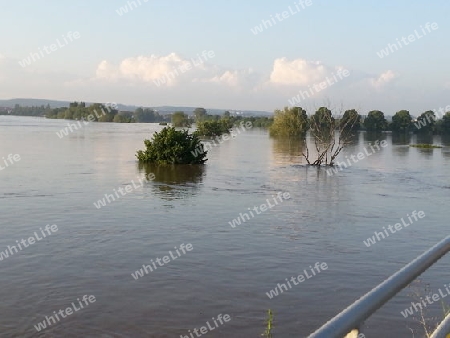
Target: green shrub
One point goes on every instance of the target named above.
(213, 128)
(289, 122)
(180, 119)
(171, 146)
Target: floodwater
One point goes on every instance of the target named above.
(228, 270)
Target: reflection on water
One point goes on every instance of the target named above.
(173, 181)
(445, 139)
(371, 136)
(401, 138)
(288, 150)
(426, 138)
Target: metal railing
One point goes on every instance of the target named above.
(443, 329)
(354, 315)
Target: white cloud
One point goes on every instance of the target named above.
(383, 79)
(131, 80)
(239, 79)
(172, 68)
(298, 72)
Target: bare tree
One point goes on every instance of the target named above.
(330, 135)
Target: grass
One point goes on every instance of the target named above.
(424, 145)
(268, 332)
(429, 324)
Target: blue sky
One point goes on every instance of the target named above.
(121, 58)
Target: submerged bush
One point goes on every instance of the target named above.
(171, 146)
(289, 122)
(213, 128)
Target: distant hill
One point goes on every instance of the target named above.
(163, 110)
(33, 102)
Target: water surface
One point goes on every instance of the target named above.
(229, 269)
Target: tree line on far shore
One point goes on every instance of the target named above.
(105, 113)
(295, 121)
(287, 122)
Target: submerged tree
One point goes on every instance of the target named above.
(200, 114)
(375, 121)
(289, 122)
(180, 119)
(213, 128)
(349, 116)
(330, 136)
(401, 121)
(426, 123)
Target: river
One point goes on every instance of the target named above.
(229, 270)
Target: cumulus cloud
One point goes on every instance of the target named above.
(239, 79)
(133, 80)
(168, 70)
(298, 72)
(383, 79)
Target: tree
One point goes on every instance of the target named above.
(200, 114)
(351, 119)
(323, 128)
(289, 122)
(146, 115)
(426, 122)
(401, 121)
(171, 146)
(213, 128)
(322, 119)
(445, 124)
(375, 121)
(180, 119)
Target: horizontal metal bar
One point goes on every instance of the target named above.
(354, 315)
(443, 329)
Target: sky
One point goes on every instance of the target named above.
(231, 55)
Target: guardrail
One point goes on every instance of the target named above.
(354, 315)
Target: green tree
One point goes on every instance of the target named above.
(444, 124)
(171, 146)
(375, 121)
(213, 128)
(289, 122)
(401, 121)
(323, 119)
(426, 122)
(146, 115)
(180, 119)
(351, 120)
(200, 114)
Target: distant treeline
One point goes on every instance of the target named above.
(201, 115)
(105, 113)
(295, 121)
(26, 111)
(402, 121)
